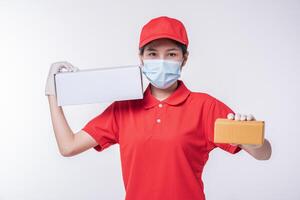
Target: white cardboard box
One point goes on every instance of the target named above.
(99, 85)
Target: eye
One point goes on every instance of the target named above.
(172, 54)
(152, 54)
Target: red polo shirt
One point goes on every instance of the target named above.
(164, 145)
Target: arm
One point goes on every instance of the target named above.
(259, 152)
(69, 144)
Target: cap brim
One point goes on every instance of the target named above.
(150, 39)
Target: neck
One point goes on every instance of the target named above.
(162, 94)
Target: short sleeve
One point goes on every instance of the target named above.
(104, 128)
(217, 109)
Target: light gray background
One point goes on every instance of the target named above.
(245, 53)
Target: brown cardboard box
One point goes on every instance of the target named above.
(238, 132)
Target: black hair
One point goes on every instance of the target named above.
(183, 47)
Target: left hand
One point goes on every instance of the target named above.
(240, 117)
(55, 68)
(243, 117)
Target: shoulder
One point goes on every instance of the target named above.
(203, 97)
(207, 101)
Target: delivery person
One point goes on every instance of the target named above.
(164, 138)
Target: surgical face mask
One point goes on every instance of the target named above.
(161, 73)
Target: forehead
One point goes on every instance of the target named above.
(161, 43)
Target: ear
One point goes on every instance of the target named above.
(185, 58)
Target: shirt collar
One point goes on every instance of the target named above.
(178, 96)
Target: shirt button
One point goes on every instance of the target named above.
(160, 105)
(158, 121)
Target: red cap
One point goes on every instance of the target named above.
(163, 27)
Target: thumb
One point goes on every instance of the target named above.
(75, 69)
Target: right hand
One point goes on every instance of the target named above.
(55, 68)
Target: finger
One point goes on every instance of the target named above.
(243, 117)
(254, 146)
(67, 64)
(69, 67)
(237, 116)
(75, 69)
(62, 68)
(230, 116)
(250, 117)
(64, 65)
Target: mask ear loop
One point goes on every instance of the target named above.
(141, 64)
(181, 65)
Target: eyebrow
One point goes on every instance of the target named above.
(152, 49)
(176, 49)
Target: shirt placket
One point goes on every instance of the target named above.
(159, 119)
